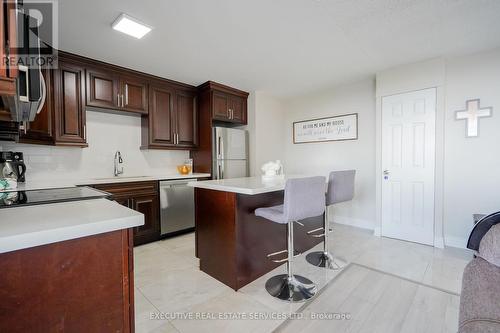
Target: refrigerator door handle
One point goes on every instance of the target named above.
(221, 147)
(220, 171)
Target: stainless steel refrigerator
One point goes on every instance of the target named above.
(230, 153)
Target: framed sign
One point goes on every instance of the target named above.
(338, 128)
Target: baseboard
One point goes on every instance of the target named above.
(439, 242)
(359, 223)
(456, 242)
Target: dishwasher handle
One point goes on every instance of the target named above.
(176, 183)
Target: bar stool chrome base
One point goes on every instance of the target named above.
(323, 259)
(295, 289)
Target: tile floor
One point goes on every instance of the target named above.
(167, 281)
(377, 302)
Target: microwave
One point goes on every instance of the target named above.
(30, 84)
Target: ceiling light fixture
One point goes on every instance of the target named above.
(130, 26)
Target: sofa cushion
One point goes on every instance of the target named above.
(479, 301)
(489, 248)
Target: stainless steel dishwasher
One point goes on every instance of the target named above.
(176, 206)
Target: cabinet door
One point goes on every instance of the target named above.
(123, 200)
(147, 204)
(238, 109)
(135, 94)
(69, 112)
(220, 106)
(102, 89)
(186, 119)
(41, 130)
(161, 116)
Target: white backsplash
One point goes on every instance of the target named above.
(106, 133)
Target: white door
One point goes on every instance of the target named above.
(408, 159)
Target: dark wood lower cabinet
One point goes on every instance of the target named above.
(146, 204)
(80, 285)
(142, 197)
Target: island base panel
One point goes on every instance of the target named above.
(233, 243)
(79, 285)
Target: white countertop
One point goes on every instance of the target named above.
(25, 227)
(59, 183)
(247, 185)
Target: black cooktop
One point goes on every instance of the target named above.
(40, 197)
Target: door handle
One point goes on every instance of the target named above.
(221, 147)
(126, 94)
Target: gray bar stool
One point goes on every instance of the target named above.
(304, 198)
(340, 189)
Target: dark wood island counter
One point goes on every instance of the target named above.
(231, 242)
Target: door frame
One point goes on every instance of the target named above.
(439, 163)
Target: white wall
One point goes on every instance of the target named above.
(106, 133)
(467, 177)
(321, 158)
(266, 126)
(472, 165)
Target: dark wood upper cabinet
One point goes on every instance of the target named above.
(186, 115)
(220, 106)
(135, 94)
(226, 104)
(109, 89)
(61, 121)
(102, 89)
(159, 127)
(173, 118)
(69, 89)
(238, 109)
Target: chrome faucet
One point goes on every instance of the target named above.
(118, 161)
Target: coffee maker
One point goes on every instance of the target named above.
(12, 166)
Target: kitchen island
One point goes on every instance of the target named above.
(67, 267)
(231, 242)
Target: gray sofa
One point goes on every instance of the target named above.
(480, 298)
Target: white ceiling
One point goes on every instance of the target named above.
(284, 47)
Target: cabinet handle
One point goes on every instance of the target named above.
(118, 100)
(177, 138)
(123, 104)
(126, 94)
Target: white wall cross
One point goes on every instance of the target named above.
(471, 114)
